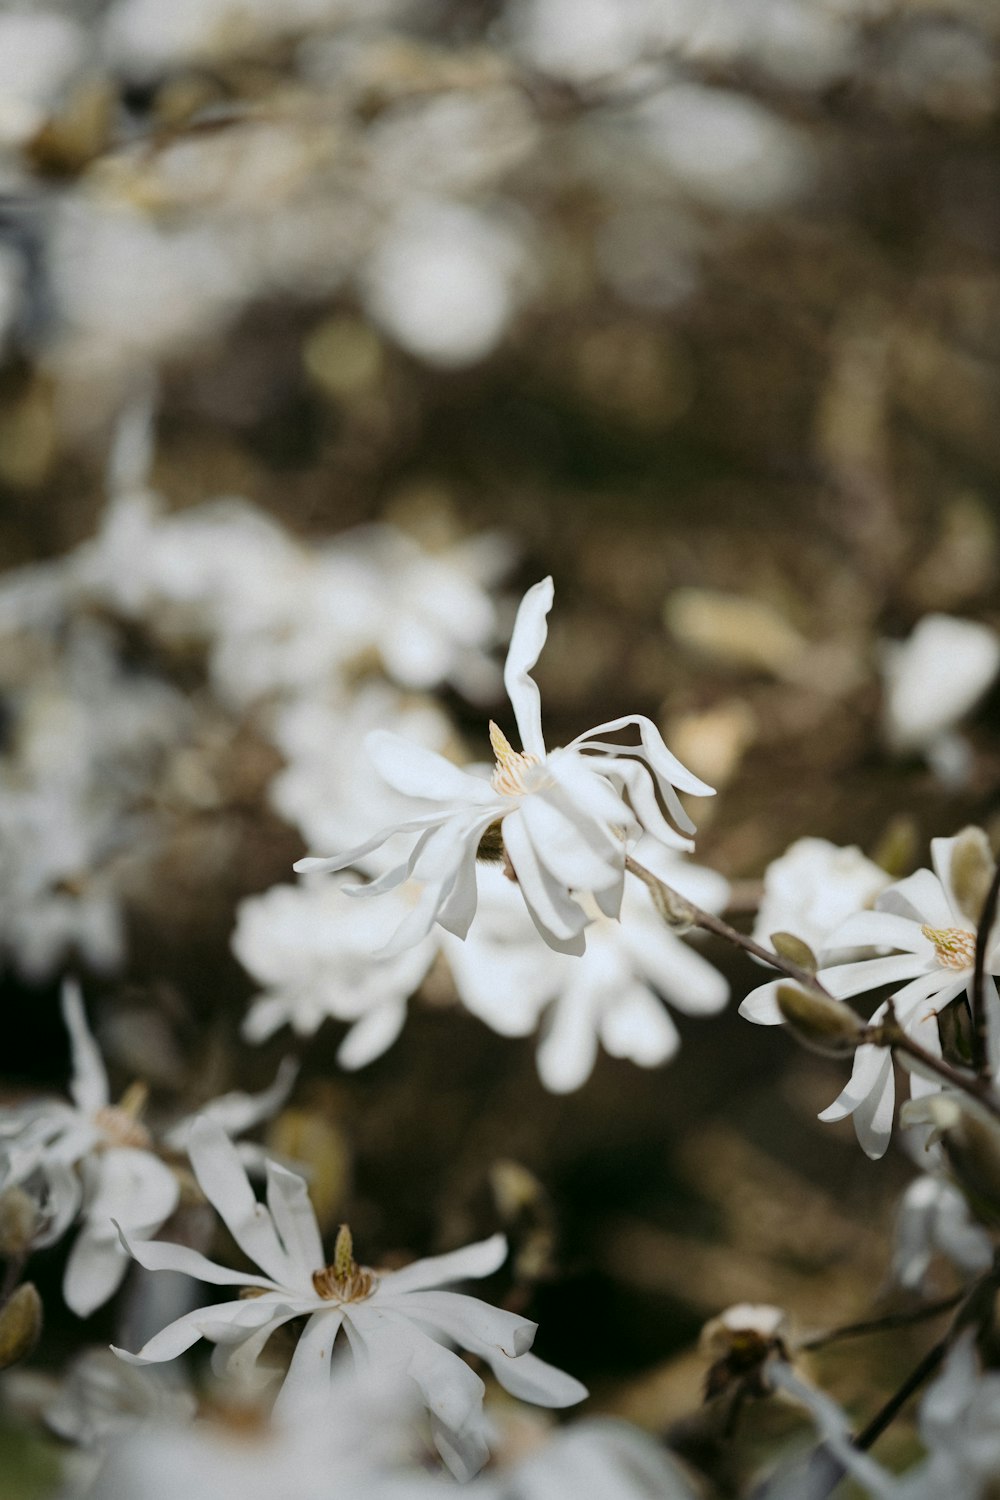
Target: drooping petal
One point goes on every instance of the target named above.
(312, 865)
(223, 1179)
(218, 1321)
(310, 1365)
(554, 912)
(565, 849)
(89, 1082)
(294, 1219)
(531, 1379)
(637, 1026)
(873, 1116)
(567, 1051)
(417, 772)
(391, 1343)
(526, 642)
(372, 1035)
(469, 1263)
(665, 764)
(637, 781)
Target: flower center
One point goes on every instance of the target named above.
(344, 1280)
(120, 1124)
(513, 767)
(955, 946)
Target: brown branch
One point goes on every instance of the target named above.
(980, 979)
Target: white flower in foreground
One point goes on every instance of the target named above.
(396, 1321)
(612, 996)
(812, 888)
(960, 1428)
(319, 958)
(560, 818)
(934, 1219)
(936, 677)
(602, 1459)
(96, 1159)
(934, 940)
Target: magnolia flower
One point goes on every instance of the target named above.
(934, 939)
(318, 957)
(936, 677)
(395, 1320)
(934, 1219)
(960, 1429)
(814, 887)
(97, 1160)
(611, 995)
(559, 818)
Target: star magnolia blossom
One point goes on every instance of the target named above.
(97, 1159)
(396, 1320)
(559, 818)
(935, 942)
(610, 996)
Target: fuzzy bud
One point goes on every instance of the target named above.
(739, 1342)
(786, 945)
(672, 907)
(819, 1022)
(19, 1222)
(20, 1324)
(972, 870)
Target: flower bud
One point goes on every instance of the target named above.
(20, 1324)
(818, 1021)
(972, 870)
(786, 945)
(738, 1342)
(19, 1222)
(672, 907)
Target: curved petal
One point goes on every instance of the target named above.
(223, 1179)
(568, 1049)
(294, 1219)
(761, 1005)
(873, 1116)
(880, 929)
(663, 762)
(638, 781)
(682, 976)
(461, 1318)
(218, 1321)
(845, 980)
(552, 909)
(469, 1263)
(526, 642)
(162, 1255)
(310, 1366)
(372, 1035)
(94, 1271)
(637, 1025)
(89, 1083)
(565, 849)
(531, 1379)
(921, 897)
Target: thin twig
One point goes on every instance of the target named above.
(980, 1037)
(884, 1324)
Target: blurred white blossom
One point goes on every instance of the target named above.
(933, 680)
(812, 888)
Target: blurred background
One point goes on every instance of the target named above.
(694, 304)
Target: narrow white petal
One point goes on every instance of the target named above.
(531, 1379)
(645, 808)
(921, 897)
(761, 1005)
(568, 1049)
(294, 1219)
(526, 642)
(219, 1320)
(565, 849)
(845, 980)
(223, 1179)
(461, 1318)
(89, 1082)
(310, 1366)
(873, 1116)
(637, 1025)
(550, 905)
(237, 1112)
(312, 865)
(417, 772)
(94, 1271)
(880, 929)
(372, 1035)
(659, 757)
(680, 974)
(162, 1255)
(469, 1263)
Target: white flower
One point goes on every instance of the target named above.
(814, 887)
(960, 1428)
(602, 1459)
(98, 1160)
(396, 1321)
(101, 1397)
(318, 957)
(935, 942)
(934, 1219)
(935, 678)
(560, 814)
(610, 996)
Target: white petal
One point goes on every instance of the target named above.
(309, 1370)
(452, 1391)
(665, 764)
(921, 897)
(551, 907)
(162, 1255)
(880, 929)
(237, 1112)
(418, 772)
(531, 1379)
(133, 1188)
(568, 1049)
(526, 642)
(314, 866)
(637, 1026)
(564, 847)
(761, 1005)
(294, 1219)
(372, 1035)
(94, 1271)
(461, 1319)
(89, 1083)
(471, 1262)
(873, 1116)
(845, 980)
(638, 782)
(223, 1179)
(682, 976)
(220, 1320)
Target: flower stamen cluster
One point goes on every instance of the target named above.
(344, 1280)
(955, 947)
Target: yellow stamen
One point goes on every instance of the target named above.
(344, 1280)
(501, 745)
(509, 776)
(955, 947)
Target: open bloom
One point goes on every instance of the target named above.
(812, 888)
(934, 938)
(397, 1320)
(611, 996)
(97, 1160)
(560, 819)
